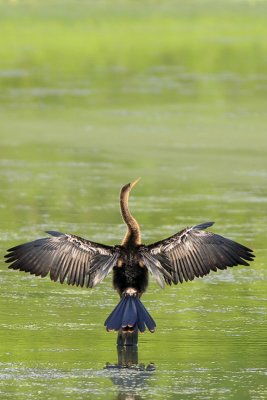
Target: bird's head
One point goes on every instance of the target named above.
(130, 185)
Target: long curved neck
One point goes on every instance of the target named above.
(133, 234)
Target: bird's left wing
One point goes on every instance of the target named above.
(192, 253)
(66, 257)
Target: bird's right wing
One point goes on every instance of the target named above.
(66, 257)
(192, 253)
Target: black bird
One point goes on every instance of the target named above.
(193, 252)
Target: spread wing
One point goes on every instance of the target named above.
(66, 258)
(192, 253)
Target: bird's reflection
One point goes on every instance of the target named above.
(128, 374)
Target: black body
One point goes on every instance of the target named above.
(130, 274)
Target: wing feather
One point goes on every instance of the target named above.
(192, 253)
(155, 267)
(64, 257)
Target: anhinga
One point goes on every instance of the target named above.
(193, 252)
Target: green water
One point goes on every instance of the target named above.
(93, 95)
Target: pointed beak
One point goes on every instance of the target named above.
(135, 182)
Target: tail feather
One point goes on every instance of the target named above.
(113, 322)
(130, 315)
(141, 326)
(141, 320)
(144, 316)
(127, 314)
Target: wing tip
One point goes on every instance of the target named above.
(203, 226)
(55, 233)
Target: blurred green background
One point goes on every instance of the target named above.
(94, 94)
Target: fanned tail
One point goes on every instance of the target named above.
(130, 315)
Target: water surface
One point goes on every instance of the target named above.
(192, 123)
